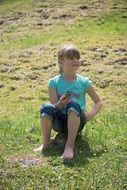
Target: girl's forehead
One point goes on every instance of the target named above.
(69, 59)
(69, 53)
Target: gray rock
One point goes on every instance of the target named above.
(1, 22)
(100, 71)
(25, 98)
(1, 85)
(12, 88)
(83, 7)
(15, 77)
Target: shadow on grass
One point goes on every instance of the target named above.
(81, 157)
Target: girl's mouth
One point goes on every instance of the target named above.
(75, 65)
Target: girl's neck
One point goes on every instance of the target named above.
(69, 76)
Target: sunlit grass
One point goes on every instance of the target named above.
(101, 150)
(10, 6)
(112, 27)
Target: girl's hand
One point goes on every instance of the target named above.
(63, 101)
(89, 115)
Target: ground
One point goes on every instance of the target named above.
(31, 32)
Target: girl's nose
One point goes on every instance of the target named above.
(76, 61)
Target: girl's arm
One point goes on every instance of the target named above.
(52, 95)
(53, 98)
(98, 103)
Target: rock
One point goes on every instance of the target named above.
(25, 54)
(83, 7)
(35, 68)
(31, 76)
(100, 50)
(85, 63)
(24, 61)
(1, 85)
(45, 67)
(52, 65)
(1, 22)
(39, 23)
(12, 88)
(18, 54)
(115, 7)
(4, 69)
(110, 62)
(100, 71)
(39, 10)
(46, 16)
(120, 51)
(85, 69)
(103, 55)
(8, 69)
(63, 16)
(117, 66)
(93, 48)
(102, 84)
(15, 77)
(25, 98)
(121, 61)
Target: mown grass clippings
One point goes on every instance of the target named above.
(31, 33)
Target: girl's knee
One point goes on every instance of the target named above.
(72, 111)
(47, 110)
(73, 107)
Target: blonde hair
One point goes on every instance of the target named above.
(68, 51)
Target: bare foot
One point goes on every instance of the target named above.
(41, 148)
(68, 153)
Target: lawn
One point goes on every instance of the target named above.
(31, 32)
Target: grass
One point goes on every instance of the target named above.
(101, 150)
(7, 6)
(111, 28)
(100, 161)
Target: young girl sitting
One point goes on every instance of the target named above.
(66, 112)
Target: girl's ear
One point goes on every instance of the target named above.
(60, 66)
(60, 62)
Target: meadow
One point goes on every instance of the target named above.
(31, 32)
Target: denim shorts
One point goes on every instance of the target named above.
(59, 120)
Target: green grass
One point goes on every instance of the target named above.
(100, 161)
(10, 6)
(111, 28)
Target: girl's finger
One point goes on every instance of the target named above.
(65, 102)
(63, 97)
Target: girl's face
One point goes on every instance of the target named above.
(70, 65)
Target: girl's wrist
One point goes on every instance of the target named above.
(93, 113)
(57, 106)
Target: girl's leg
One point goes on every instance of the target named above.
(73, 126)
(46, 126)
(47, 114)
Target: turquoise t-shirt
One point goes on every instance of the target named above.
(77, 88)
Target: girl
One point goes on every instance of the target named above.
(66, 112)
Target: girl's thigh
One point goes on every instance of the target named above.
(60, 123)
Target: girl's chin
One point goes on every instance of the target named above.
(75, 67)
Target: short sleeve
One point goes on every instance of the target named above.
(52, 83)
(86, 83)
(89, 82)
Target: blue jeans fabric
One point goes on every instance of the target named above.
(59, 120)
